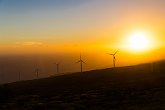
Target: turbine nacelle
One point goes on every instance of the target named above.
(80, 61)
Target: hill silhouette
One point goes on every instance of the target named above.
(131, 88)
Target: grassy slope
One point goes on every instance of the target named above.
(134, 87)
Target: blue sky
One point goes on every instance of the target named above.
(16, 13)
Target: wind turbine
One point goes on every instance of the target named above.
(114, 58)
(36, 71)
(57, 67)
(81, 63)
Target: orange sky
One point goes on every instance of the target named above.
(90, 27)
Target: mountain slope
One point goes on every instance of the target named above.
(133, 87)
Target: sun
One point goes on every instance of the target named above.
(139, 41)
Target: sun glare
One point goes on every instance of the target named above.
(139, 41)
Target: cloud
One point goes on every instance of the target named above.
(30, 43)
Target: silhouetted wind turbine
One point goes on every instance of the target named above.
(37, 72)
(57, 67)
(114, 58)
(81, 63)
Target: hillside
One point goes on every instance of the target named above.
(131, 88)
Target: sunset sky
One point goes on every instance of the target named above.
(87, 26)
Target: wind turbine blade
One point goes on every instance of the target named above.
(109, 54)
(78, 61)
(83, 62)
(116, 52)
